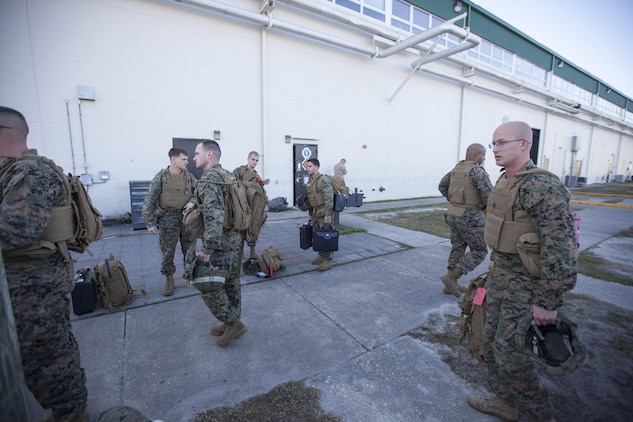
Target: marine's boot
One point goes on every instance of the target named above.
(551, 419)
(450, 281)
(218, 330)
(169, 286)
(318, 260)
(232, 331)
(501, 407)
(461, 288)
(325, 265)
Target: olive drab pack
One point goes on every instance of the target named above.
(473, 316)
(237, 210)
(270, 261)
(339, 189)
(112, 282)
(72, 226)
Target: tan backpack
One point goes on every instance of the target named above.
(270, 261)
(473, 317)
(72, 226)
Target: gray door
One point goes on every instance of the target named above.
(302, 153)
(189, 145)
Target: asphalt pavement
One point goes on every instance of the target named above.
(343, 331)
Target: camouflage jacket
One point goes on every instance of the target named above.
(29, 189)
(151, 203)
(546, 201)
(212, 197)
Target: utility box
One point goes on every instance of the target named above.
(575, 143)
(138, 192)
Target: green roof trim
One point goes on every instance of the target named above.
(501, 33)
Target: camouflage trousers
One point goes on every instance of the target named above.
(225, 300)
(50, 354)
(511, 371)
(467, 232)
(168, 237)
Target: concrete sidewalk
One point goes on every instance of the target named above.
(343, 331)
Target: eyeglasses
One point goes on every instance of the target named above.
(5, 127)
(501, 142)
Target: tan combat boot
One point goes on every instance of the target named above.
(501, 407)
(232, 331)
(318, 260)
(169, 286)
(218, 330)
(450, 281)
(325, 265)
(461, 288)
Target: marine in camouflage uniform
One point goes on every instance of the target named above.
(467, 187)
(321, 198)
(169, 191)
(221, 247)
(39, 285)
(523, 204)
(248, 175)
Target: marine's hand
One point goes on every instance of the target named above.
(327, 219)
(543, 316)
(202, 257)
(152, 230)
(187, 206)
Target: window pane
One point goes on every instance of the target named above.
(349, 4)
(378, 4)
(400, 9)
(420, 18)
(373, 14)
(400, 24)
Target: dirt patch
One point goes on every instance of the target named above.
(288, 402)
(600, 390)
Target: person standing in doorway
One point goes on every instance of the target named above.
(467, 188)
(220, 246)
(527, 203)
(40, 279)
(168, 193)
(321, 198)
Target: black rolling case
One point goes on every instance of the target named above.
(325, 239)
(305, 236)
(84, 294)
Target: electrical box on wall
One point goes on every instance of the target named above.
(575, 143)
(86, 92)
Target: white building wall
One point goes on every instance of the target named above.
(163, 71)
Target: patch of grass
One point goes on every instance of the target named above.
(594, 266)
(349, 230)
(415, 218)
(608, 188)
(625, 233)
(622, 344)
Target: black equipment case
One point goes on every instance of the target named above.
(325, 239)
(305, 236)
(84, 294)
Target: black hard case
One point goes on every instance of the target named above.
(305, 236)
(325, 239)
(355, 200)
(84, 294)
